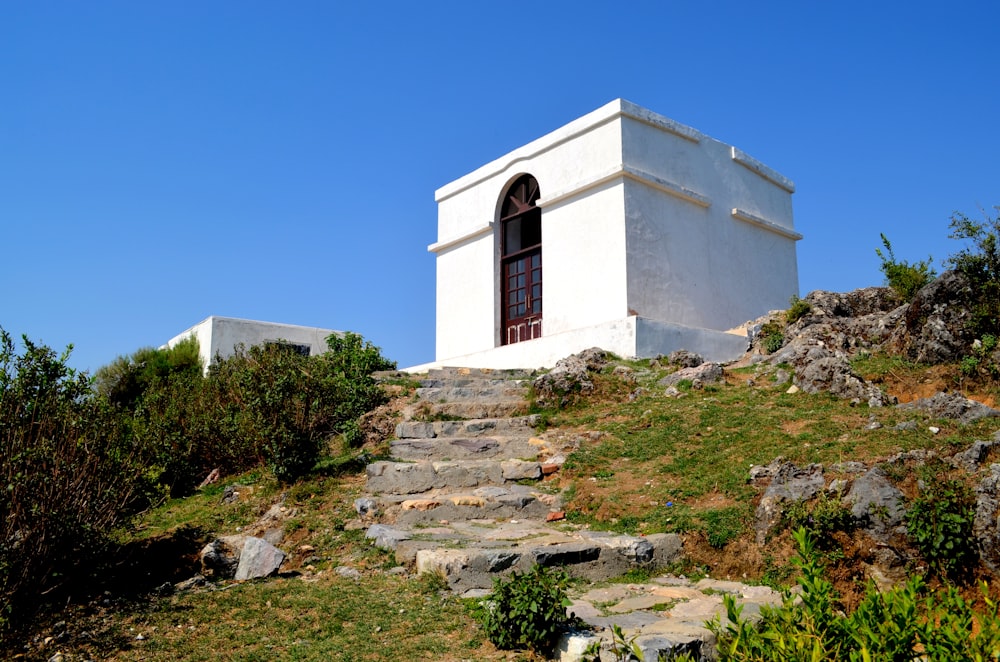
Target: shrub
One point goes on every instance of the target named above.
(899, 624)
(772, 337)
(939, 522)
(904, 278)
(820, 518)
(980, 263)
(528, 610)
(797, 309)
(267, 404)
(68, 474)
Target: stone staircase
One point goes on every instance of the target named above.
(471, 490)
(471, 493)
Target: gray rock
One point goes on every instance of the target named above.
(952, 405)
(833, 374)
(258, 559)
(221, 557)
(706, 373)
(971, 458)
(366, 507)
(934, 326)
(570, 375)
(876, 504)
(905, 426)
(986, 525)
(385, 536)
(685, 359)
(188, 584)
(789, 483)
(348, 572)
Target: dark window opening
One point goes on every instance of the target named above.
(521, 262)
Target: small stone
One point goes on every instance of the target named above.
(549, 469)
(792, 389)
(349, 573)
(555, 516)
(934, 429)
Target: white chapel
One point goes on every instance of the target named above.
(622, 230)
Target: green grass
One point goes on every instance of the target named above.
(696, 451)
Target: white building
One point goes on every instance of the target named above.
(653, 237)
(220, 336)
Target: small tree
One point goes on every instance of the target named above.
(904, 278)
(68, 473)
(979, 261)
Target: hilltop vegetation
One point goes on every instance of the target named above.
(104, 510)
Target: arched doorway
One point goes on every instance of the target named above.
(520, 262)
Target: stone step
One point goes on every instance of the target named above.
(489, 393)
(480, 373)
(493, 503)
(483, 427)
(641, 611)
(458, 448)
(388, 477)
(469, 558)
(472, 383)
(452, 411)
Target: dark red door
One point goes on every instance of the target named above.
(521, 262)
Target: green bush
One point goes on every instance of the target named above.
(903, 623)
(904, 278)
(797, 309)
(979, 261)
(267, 404)
(939, 522)
(820, 517)
(526, 611)
(69, 477)
(772, 337)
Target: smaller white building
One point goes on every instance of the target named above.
(220, 336)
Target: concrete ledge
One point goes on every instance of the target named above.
(631, 337)
(771, 226)
(758, 168)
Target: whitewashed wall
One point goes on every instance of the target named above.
(221, 335)
(641, 217)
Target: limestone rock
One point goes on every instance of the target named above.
(876, 504)
(706, 373)
(934, 326)
(259, 558)
(685, 359)
(570, 375)
(986, 525)
(952, 405)
(221, 557)
(789, 483)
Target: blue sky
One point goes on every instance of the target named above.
(161, 162)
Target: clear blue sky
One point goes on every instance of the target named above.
(161, 162)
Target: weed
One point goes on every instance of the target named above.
(797, 309)
(527, 610)
(904, 278)
(939, 522)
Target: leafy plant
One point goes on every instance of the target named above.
(797, 309)
(939, 522)
(68, 476)
(820, 517)
(527, 610)
(903, 623)
(772, 337)
(980, 361)
(903, 277)
(979, 261)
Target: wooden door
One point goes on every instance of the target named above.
(521, 262)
